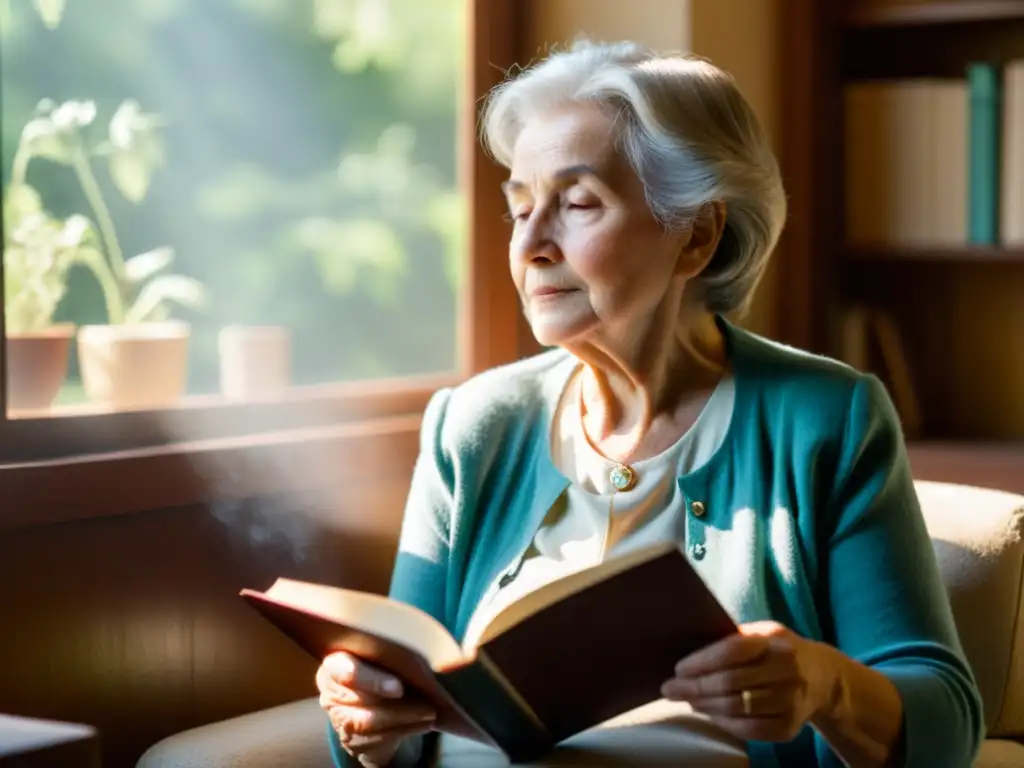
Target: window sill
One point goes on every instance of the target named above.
(83, 432)
(309, 467)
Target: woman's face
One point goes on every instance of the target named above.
(587, 256)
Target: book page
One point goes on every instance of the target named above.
(374, 614)
(558, 590)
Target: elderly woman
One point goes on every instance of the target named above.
(646, 202)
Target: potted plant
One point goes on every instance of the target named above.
(39, 250)
(139, 359)
(38, 253)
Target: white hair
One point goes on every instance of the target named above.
(688, 133)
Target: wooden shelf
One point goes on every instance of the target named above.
(965, 254)
(987, 464)
(875, 13)
(955, 307)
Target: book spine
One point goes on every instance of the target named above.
(948, 123)
(890, 172)
(984, 177)
(487, 698)
(1012, 220)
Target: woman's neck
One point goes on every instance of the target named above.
(639, 401)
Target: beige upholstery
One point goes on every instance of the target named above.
(290, 736)
(979, 539)
(978, 535)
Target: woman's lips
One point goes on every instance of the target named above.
(542, 292)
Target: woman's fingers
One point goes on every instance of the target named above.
(368, 742)
(777, 701)
(732, 651)
(346, 671)
(376, 747)
(351, 721)
(767, 672)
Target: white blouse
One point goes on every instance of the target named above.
(593, 520)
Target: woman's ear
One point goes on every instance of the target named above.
(705, 234)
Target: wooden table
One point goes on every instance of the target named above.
(30, 743)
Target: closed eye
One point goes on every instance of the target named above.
(516, 216)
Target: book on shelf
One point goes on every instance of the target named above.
(984, 155)
(933, 162)
(906, 170)
(1011, 214)
(567, 656)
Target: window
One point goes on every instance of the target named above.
(227, 216)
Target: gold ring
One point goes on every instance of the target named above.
(748, 702)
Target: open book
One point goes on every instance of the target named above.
(563, 658)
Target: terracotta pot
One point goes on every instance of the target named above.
(131, 367)
(37, 365)
(255, 361)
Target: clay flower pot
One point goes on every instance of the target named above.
(255, 361)
(132, 367)
(37, 365)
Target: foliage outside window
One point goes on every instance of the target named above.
(228, 185)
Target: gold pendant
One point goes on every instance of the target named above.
(622, 478)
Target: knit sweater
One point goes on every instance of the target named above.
(810, 519)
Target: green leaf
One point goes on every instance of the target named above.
(134, 149)
(91, 258)
(140, 268)
(22, 201)
(41, 138)
(38, 254)
(75, 231)
(178, 289)
(50, 11)
(131, 174)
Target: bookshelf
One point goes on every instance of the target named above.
(876, 13)
(966, 254)
(956, 303)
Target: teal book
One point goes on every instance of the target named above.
(567, 656)
(984, 155)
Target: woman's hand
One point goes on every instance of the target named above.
(763, 684)
(368, 709)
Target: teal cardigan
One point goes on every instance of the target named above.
(811, 519)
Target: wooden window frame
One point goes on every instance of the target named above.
(73, 466)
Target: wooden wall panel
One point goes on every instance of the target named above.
(132, 623)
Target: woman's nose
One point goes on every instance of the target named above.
(536, 242)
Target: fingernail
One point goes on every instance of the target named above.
(391, 687)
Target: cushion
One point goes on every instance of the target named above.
(292, 735)
(295, 735)
(1000, 753)
(660, 735)
(978, 536)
